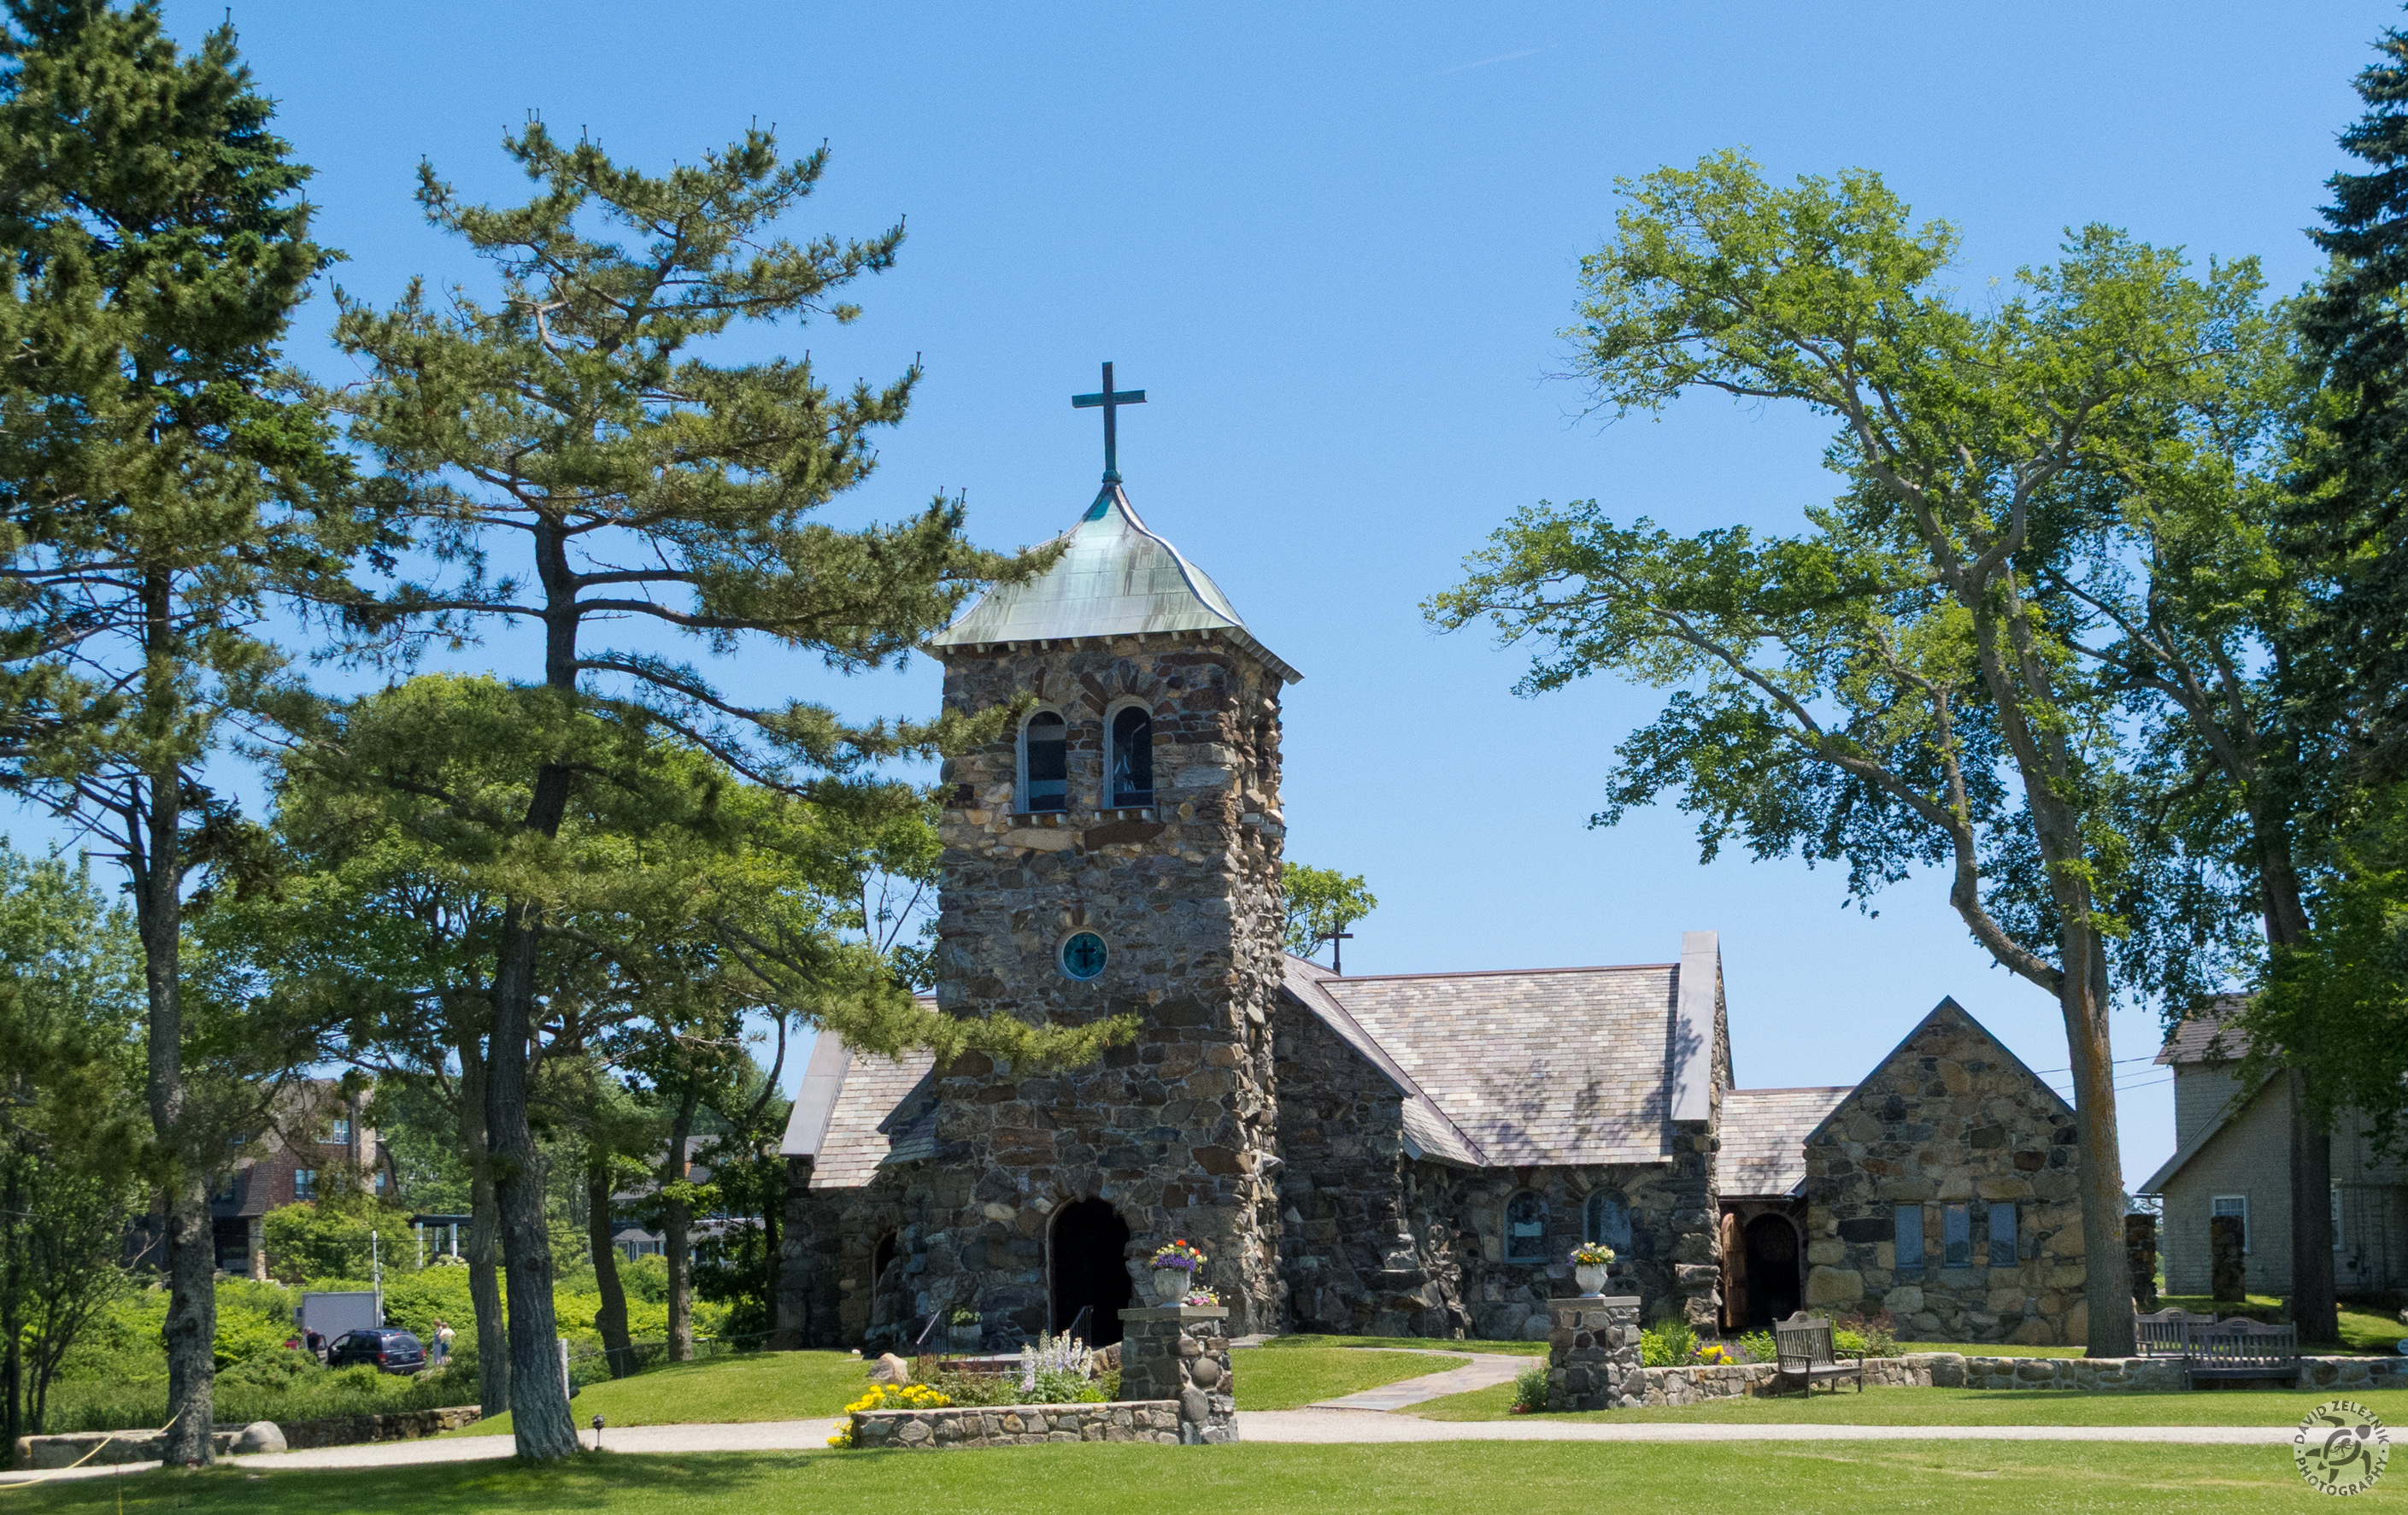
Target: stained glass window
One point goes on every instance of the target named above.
(1082, 955)
(2003, 1235)
(1907, 1228)
(1606, 1218)
(1956, 1235)
(1526, 1228)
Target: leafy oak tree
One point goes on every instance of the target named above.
(1882, 689)
(159, 491)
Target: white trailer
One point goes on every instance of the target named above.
(332, 1314)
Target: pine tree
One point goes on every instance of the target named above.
(2350, 517)
(158, 493)
(632, 487)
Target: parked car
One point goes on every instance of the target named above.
(385, 1349)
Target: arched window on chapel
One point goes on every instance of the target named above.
(1526, 1228)
(1130, 762)
(1606, 1218)
(1044, 763)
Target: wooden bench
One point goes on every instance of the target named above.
(2168, 1332)
(2241, 1349)
(1802, 1351)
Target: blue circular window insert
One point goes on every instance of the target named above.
(1082, 955)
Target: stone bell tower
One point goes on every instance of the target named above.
(1117, 852)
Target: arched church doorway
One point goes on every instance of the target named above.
(1088, 1261)
(1772, 1288)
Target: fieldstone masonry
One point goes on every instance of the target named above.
(1592, 1352)
(1181, 1353)
(1953, 1124)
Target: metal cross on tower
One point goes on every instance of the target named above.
(1111, 399)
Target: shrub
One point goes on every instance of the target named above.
(1060, 1386)
(1667, 1343)
(1530, 1391)
(1874, 1335)
(1759, 1347)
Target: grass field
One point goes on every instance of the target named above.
(1503, 1348)
(1532, 1478)
(756, 1386)
(1961, 1407)
(1288, 1380)
(795, 1386)
(2363, 1328)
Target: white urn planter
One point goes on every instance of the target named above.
(1592, 1277)
(1170, 1284)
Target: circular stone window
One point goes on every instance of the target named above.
(1082, 955)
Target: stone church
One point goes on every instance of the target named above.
(1398, 1154)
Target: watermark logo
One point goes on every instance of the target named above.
(2341, 1447)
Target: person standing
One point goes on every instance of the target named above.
(443, 1335)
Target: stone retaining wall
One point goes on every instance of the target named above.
(396, 1426)
(2142, 1375)
(1016, 1425)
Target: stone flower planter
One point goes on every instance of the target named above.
(1170, 1284)
(1592, 1277)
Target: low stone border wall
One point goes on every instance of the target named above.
(1017, 1425)
(1657, 1386)
(2143, 1375)
(116, 1447)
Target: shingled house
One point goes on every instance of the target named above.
(1390, 1154)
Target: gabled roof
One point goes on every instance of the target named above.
(1427, 1130)
(2207, 1035)
(844, 1115)
(1117, 579)
(1538, 1066)
(1946, 1008)
(1763, 1153)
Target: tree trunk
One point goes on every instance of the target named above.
(539, 1417)
(2315, 1310)
(484, 1225)
(611, 1319)
(677, 1226)
(190, 1330)
(2107, 1271)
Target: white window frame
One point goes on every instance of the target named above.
(1112, 713)
(305, 1184)
(2241, 1200)
(339, 1133)
(1020, 778)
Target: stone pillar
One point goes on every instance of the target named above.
(2141, 1251)
(1592, 1351)
(1182, 1352)
(2227, 1266)
(255, 1239)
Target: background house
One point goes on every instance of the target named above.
(2232, 1156)
(315, 1137)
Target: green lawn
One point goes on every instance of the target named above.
(752, 1386)
(1285, 1380)
(1986, 1349)
(1504, 1349)
(1962, 1407)
(795, 1386)
(1532, 1478)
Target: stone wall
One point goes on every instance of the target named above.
(1673, 1261)
(1950, 1119)
(1176, 1131)
(2144, 1374)
(119, 1448)
(1181, 1353)
(1361, 1256)
(1016, 1425)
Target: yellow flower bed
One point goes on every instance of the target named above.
(887, 1396)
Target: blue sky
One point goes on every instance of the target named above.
(1334, 243)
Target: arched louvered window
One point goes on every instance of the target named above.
(1044, 763)
(1130, 766)
(1526, 1228)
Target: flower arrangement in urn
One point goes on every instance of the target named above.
(1591, 1261)
(1175, 1269)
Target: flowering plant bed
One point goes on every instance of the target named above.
(886, 1396)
